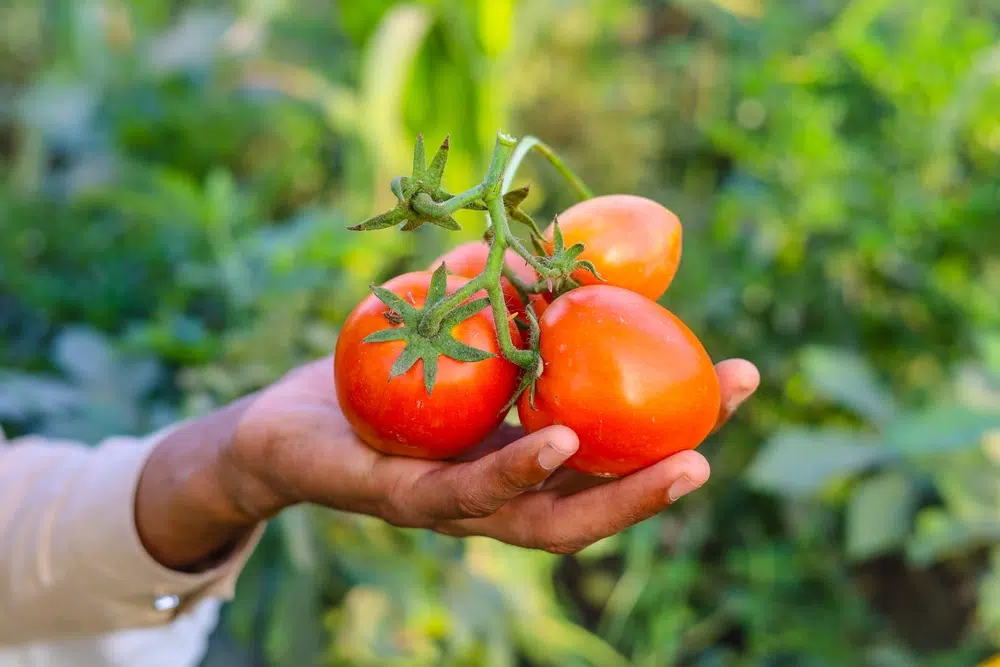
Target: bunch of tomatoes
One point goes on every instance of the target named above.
(633, 382)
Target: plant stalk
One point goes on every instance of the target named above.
(530, 142)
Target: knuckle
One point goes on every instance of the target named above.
(510, 479)
(475, 504)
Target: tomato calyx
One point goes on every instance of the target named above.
(563, 262)
(419, 196)
(406, 319)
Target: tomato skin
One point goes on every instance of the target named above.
(398, 417)
(634, 242)
(469, 259)
(632, 381)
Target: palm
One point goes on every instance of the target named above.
(296, 440)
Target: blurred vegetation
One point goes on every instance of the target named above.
(175, 182)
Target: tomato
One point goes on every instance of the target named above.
(626, 375)
(469, 260)
(633, 242)
(398, 416)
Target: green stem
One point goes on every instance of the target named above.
(430, 324)
(494, 265)
(516, 245)
(460, 200)
(501, 153)
(527, 144)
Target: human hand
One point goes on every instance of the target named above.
(290, 444)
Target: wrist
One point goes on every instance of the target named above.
(189, 510)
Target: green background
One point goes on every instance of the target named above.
(176, 178)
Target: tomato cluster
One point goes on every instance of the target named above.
(624, 373)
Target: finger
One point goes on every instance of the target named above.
(581, 519)
(738, 379)
(479, 488)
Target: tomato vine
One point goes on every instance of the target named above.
(421, 200)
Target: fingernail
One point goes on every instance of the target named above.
(552, 457)
(736, 400)
(681, 488)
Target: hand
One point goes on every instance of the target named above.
(290, 444)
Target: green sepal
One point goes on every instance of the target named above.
(449, 223)
(439, 285)
(430, 373)
(385, 336)
(394, 301)
(419, 157)
(434, 173)
(574, 251)
(587, 265)
(515, 198)
(382, 221)
(459, 351)
(405, 361)
(558, 243)
(464, 312)
(539, 248)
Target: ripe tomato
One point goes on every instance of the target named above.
(398, 416)
(624, 373)
(469, 260)
(633, 242)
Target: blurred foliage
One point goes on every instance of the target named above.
(175, 182)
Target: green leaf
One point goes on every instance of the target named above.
(939, 535)
(941, 429)
(385, 336)
(847, 379)
(394, 301)
(459, 351)
(800, 462)
(405, 361)
(879, 515)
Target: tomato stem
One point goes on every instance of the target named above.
(530, 143)
(526, 359)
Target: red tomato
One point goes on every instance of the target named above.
(469, 260)
(633, 242)
(626, 375)
(398, 416)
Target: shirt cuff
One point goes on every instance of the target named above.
(102, 522)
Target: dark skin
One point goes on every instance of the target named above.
(209, 482)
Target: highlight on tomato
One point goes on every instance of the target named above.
(633, 242)
(633, 382)
(397, 413)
